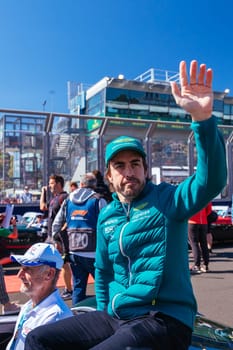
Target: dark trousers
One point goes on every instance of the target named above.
(198, 241)
(81, 268)
(98, 331)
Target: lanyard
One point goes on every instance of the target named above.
(21, 322)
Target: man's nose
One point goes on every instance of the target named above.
(20, 273)
(129, 171)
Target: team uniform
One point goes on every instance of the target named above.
(80, 212)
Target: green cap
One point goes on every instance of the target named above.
(123, 143)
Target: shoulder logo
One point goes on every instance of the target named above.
(141, 206)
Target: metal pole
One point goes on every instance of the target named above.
(191, 153)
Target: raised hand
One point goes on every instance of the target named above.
(194, 96)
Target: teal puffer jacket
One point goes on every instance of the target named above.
(142, 252)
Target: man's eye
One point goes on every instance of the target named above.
(118, 166)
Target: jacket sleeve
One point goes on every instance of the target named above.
(4, 232)
(103, 272)
(102, 203)
(59, 220)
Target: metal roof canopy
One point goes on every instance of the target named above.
(111, 127)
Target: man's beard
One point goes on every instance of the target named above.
(25, 289)
(131, 192)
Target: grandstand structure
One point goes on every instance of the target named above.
(35, 144)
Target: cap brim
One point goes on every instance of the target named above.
(20, 259)
(128, 148)
(125, 148)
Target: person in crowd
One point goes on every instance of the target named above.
(209, 238)
(10, 232)
(52, 204)
(39, 273)
(57, 195)
(80, 213)
(212, 217)
(36, 221)
(63, 246)
(142, 279)
(73, 186)
(197, 234)
(8, 307)
(26, 196)
(40, 222)
(101, 187)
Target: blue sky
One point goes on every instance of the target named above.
(45, 43)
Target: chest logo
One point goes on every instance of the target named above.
(79, 212)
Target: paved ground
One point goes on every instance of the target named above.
(213, 290)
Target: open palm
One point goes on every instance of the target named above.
(195, 96)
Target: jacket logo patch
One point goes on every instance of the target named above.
(141, 206)
(79, 212)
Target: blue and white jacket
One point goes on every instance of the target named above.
(80, 212)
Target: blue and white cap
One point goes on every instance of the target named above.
(40, 254)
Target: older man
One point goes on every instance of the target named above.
(39, 272)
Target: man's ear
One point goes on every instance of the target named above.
(50, 273)
(108, 175)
